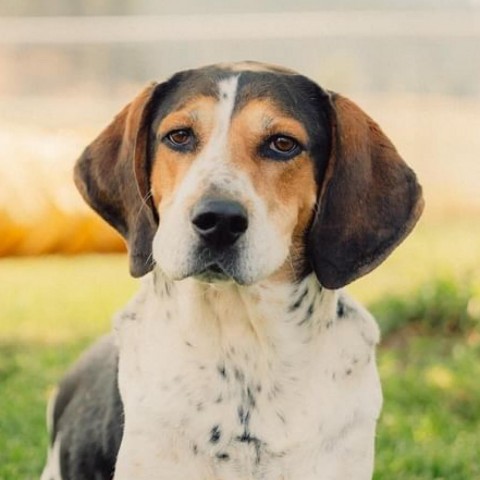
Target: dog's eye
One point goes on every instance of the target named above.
(181, 139)
(281, 147)
(283, 144)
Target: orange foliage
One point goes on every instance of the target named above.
(40, 208)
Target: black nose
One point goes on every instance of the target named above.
(219, 222)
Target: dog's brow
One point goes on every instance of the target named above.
(267, 121)
(193, 115)
(183, 117)
(174, 119)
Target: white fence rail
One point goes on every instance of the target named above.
(146, 29)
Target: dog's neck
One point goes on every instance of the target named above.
(274, 326)
(227, 312)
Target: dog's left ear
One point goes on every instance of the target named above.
(369, 199)
(112, 176)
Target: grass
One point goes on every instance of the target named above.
(52, 307)
(55, 299)
(430, 425)
(27, 373)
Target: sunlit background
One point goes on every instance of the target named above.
(68, 66)
(65, 73)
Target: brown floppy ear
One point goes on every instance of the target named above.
(369, 200)
(112, 176)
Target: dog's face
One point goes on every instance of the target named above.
(243, 172)
(233, 174)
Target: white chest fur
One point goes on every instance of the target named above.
(226, 383)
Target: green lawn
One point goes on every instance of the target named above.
(52, 307)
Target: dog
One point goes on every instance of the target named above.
(248, 197)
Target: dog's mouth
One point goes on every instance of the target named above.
(214, 267)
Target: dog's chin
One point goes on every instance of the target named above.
(217, 273)
(213, 274)
(219, 269)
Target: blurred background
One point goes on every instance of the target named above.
(68, 66)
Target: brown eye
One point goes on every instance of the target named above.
(281, 148)
(179, 137)
(283, 144)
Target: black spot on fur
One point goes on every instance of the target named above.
(222, 371)
(195, 449)
(223, 456)
(251, 440)
(299, 301)
(251, 398)
(243, 416)
(348, 371)
(215, 434)
(308, 315)
(340, 309)
(246, 438)
(239, 375)
(219, 399)
(199, 406)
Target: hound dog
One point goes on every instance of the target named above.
(248, 196)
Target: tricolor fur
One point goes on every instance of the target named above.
(247, 196)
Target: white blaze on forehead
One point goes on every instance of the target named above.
(227, 91)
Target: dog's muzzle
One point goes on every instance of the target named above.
(220, 224)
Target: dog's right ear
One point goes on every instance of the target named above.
(113, 177)
(369, 202)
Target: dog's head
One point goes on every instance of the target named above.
(248, 171)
